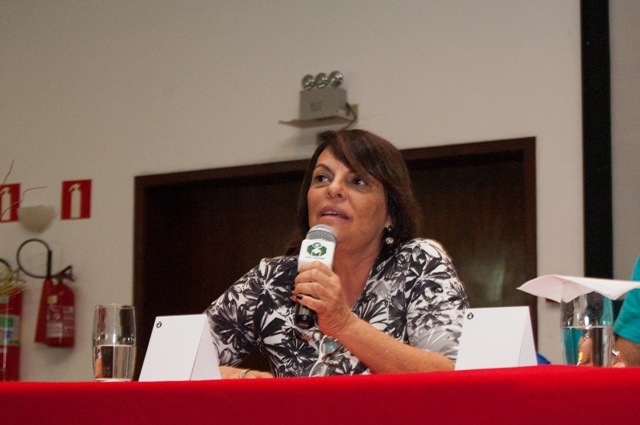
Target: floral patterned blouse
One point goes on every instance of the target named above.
(414, 295)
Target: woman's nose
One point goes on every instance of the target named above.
(335, 189)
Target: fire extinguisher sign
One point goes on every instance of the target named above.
(76, 200)
(9, 202)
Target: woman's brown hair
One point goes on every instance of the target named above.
(366, 155)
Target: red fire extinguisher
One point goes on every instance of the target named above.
(41, 324)
(61, 312)
(56, 316)
(47, 285)
(10, 312)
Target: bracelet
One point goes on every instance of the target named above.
(243, 373)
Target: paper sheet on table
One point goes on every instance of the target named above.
(565, 288)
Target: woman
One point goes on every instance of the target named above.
(391, 303)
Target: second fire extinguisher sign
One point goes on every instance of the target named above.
(76, 200)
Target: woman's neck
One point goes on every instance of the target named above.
(354, 270)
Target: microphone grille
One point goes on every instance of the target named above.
(322, 231)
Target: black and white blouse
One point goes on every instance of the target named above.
(414, 295)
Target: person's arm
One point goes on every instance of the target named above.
(223, 314)
(627, 329)
(380, 352)
(384, 354)
(629, 352)
(229, 372)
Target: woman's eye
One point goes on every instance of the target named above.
(320, 178)
(358, 181)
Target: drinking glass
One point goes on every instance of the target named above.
(114, 342)
(587, 330)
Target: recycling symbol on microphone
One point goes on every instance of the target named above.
(316, 249)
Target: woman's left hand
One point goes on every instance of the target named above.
(319, 289)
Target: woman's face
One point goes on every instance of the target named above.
(354, 206)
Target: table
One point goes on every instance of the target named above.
(529, 395)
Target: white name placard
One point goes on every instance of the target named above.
(180, 349)
(495, 338)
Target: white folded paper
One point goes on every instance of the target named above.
(566, 288)
(180, 349)
(496, 337)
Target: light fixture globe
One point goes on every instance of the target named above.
(335, 79)
(308, 82)
(321, 80)
(36, 219)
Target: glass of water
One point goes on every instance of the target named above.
(587, 330)
(114, 342)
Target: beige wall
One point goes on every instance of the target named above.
(110, 90)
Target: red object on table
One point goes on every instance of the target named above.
(529, 395)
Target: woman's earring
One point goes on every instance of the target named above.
(389, 239)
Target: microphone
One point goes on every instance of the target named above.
(319, 245)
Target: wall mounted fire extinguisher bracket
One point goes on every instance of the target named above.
(56, 315)
(49, 255)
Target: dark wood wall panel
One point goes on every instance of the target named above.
(475, 211)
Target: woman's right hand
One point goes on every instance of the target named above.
(320, 289)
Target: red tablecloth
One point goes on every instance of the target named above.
(532, 395)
